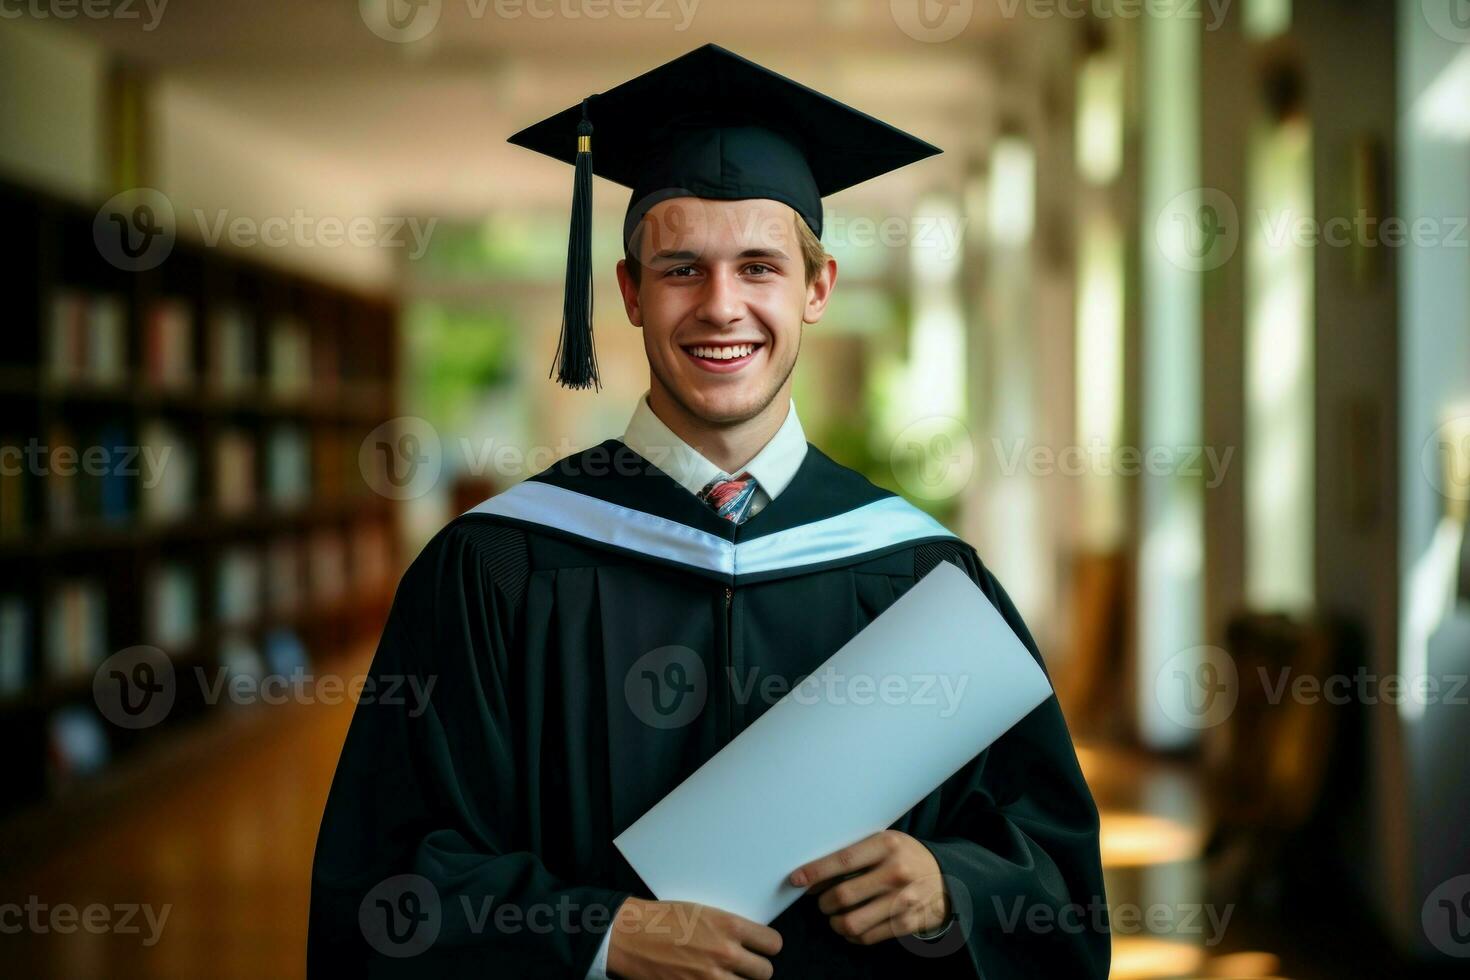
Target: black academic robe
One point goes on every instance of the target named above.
(470, 833)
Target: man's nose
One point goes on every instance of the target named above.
(721, 303)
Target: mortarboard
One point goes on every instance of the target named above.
(708, 124)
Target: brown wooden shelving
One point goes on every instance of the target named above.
(352, 345)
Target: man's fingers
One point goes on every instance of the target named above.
(752, 967)
(854, 922)
(894, 908)
(846, 893)
(855, 857)
(756, 937)
(887, 929)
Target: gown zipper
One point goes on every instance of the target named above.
(728, 681)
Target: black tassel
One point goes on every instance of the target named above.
(576, 358)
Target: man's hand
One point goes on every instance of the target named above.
(883, 886)
(679, 940)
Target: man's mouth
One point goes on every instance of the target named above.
(722, 357)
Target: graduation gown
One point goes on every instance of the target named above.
(592, 636)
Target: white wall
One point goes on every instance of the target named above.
(52, 131)
(1434, 373)
(213, 164)
(207, 159)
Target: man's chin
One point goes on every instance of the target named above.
(721, 408)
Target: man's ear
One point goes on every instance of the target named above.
(629, 289)
(819, 291)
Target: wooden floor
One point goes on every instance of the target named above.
(221, 857)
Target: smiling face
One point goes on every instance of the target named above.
(722, 293)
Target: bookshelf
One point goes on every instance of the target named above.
(178, 469)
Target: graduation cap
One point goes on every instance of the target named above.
(708, 124)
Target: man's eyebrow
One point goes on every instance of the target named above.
(763, 253)
(674, 255)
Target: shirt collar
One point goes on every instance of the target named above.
(773, 467)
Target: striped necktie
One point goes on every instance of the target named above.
(730, 496)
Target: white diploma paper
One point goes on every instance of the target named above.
(900, 708)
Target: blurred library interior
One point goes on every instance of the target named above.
(1176, 332)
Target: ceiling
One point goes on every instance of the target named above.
(425, 121)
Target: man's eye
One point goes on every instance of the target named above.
(683, 271)
(759, 268)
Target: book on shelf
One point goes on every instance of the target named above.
(284, 581)
(328, 559)
(76, 629)
(326, 459)
(285, 654)
(290, 358)
(238, 657)
(63, 490)
(107, 360)
(13, 503)
(326, 362)
(237, 599)
(232, 359)
(168, 494)
(77, 744)
(91, 476)
(66, 335)
(86, 338)
(173, 617)
(118, 480)
(168, 344)
(372, 558)
(288, 466)
(234, 473)
(15, 645)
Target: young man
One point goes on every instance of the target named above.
(599, 631)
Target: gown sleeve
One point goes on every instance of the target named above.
(423, 863)
(1017, 836)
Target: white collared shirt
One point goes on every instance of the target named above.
(772, 468)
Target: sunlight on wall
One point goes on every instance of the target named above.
(936, 374)
(1011, 209)
(1443, 109)
(1279, 484)
(1100, 374)
(1170, 588)
(1012, 509)
(1266, 18)
(1100, 117)
(1434, 578)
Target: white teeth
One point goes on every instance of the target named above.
(723, 353)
